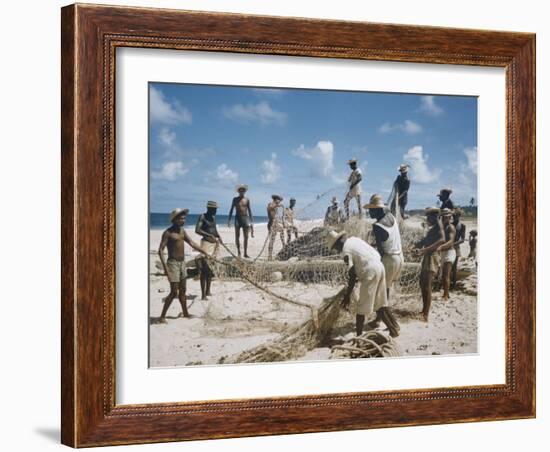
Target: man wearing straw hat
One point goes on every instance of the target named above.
(206, 228)
(174, 239)
(354, 190)
(334, 215)
(388, 243)
(243, 218)
(401, 188)
(288, 217)
(365, 266)
(444, 196)
(448, 253)
(460, 238)
(430, 258)
(275, 224)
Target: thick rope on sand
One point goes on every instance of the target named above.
(372, 344)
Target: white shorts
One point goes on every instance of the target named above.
(372, 293)
(211, 248)
(448, 256)
(356, 190)
(393, 265)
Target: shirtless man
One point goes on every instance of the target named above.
(288, 217)
(445, 198)
(243, 218)
(206, 228)
(401, 186)
(354, 190)
(174, 239)
(460, 238)
(448, 253)
(274, 224)
(334, 215)
(430, 258)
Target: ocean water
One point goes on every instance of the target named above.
(162, 220)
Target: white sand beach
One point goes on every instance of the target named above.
(238, 316)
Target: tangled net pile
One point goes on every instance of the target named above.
(372, 344)
(306, 259)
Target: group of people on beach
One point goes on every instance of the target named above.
(374, 266)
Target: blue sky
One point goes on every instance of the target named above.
(205, 139)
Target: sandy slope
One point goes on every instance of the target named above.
(238, 316)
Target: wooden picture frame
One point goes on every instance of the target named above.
(90, 36)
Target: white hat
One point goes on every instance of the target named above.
(403, 167)
(177, 212)
(333, 237)
(241, 187)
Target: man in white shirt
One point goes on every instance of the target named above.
(365, 266)
(388, 243)
(354, 190)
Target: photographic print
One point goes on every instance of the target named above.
(303, 225)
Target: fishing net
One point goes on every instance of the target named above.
(295, 252)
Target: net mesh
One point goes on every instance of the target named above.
(294, 254)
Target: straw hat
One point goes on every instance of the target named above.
(177, 212)
(446, 212)
(241, 187)
(212, 204)
(333, 237)
(375, 202)
(279, 197)
(353, 160)
(403, 167)
(431, 210)
(444, 190)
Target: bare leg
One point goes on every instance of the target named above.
(168, 301)
(209, 274)
(238, 240)
(270, 245)
(183, 298)
(359, 322)
(359, 205)
(446, 279)
(426, 278)
(245, 234)
(202, 277)
(346, 205)
(454, 273)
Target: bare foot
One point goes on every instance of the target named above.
(185, 315)
(424, 317)
(247, 256)
(162, 320)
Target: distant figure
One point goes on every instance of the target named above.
(460, 237)
(334, 215)
(401, 190)
(243, 218)
(430, 257)
(447, 250)
(365, 266)
(445, 198)
(275, 224)
(174, 239)
(288, 220)
(472, 241)
(354, 189)
(388, 244)
(207, 229)
(472, 202)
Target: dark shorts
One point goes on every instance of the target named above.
(242, 222)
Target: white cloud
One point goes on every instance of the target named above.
(260, 112)
(418, 161)
(406, 126)
(271, 170)
(170, 171)
(321, 158)
(167, 137)
(226, 175)
(429, 106)
(165, 112)
(471, 155)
